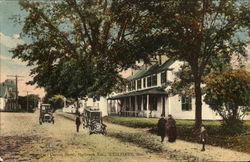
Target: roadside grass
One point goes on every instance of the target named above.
(216, 137)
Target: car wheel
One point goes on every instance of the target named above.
(89, 131)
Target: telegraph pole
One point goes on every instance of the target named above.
(27, 101)
(16, 77)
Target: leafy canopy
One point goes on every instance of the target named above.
(79, 47)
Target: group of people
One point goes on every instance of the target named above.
(167, 127)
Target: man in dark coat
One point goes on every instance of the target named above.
(171, 129)
(203, 136)
(161, 127)
(78, 122)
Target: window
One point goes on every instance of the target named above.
(153, 102)
(154, 80)
(149, 81)
(139, 84)
(139, 99)
(186, 102)
(129, 86)
(163, 77)
(133, 85)
(144, 82)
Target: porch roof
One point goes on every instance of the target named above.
(151, 91)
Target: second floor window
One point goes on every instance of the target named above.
(133, 85)
(129, 86)
(154, 80)
(149, 83)
(139, 84)
(163, 77)
(144, 82)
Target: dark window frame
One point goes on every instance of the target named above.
(154, 80)
(186, 103)
(139, 84)
(149, 81)
(144, 83)
(163, 77)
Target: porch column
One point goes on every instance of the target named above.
(147, 106)
(116, 107)
(64, 102)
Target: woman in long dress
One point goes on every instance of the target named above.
(171, 129)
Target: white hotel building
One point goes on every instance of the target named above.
(146, 95)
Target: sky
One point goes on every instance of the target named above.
(9, 38)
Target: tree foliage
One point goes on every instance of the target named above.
(228, 95)
(202, 33)
(57, 102)
(78, 47)
(28, 103)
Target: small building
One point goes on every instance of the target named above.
(97, 102)
(147, 95)
(8, 96)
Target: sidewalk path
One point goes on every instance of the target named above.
(182, 148)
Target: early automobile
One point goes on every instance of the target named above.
(46, 114)
(92, 120)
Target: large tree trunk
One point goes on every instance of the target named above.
(77, 105)
(198, 104)
(198, 96)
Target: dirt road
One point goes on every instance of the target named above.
(23, 139)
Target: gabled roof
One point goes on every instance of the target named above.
(139, 74)
(156, 68)
(5, 88)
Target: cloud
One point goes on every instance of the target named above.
(13, 61)
(10, 41)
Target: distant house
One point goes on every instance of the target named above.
(147, 95)
(99, 103)
(8, 96)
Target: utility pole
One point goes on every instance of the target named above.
(16, 77)
(27, 101)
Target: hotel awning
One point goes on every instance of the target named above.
(151, 91)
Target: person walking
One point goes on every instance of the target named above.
(203, 136)
(161, 127)
(78, 122)
(171, 129)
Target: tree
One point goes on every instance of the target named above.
(57, 102)
(28, 103)
(202, 33)
(78, 47)
(228, 95)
